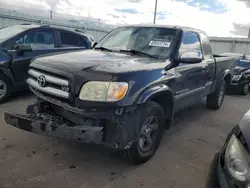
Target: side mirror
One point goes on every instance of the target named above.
(190, 57)
(21, 48)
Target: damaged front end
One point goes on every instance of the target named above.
(117, 129)
(55, 126)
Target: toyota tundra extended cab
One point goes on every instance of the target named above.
(125, 91)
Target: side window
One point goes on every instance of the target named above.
(21, 40)
(69, 40)
(38, 39)
(206, 46)
(190, 42)
(82, 42)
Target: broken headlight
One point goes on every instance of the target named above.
(103, 91)
(236, 158)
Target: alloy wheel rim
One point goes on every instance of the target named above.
(246, 88)
(3, 89)
(148, 134)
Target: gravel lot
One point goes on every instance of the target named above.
(183, 159)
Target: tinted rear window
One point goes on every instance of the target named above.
(69, 39)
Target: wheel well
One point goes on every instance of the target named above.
(228, 79)
(165, 100)
(11, 81)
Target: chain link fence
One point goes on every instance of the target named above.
(97, 27)
(19, 15)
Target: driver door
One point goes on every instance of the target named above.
(191, 76)
(42, 41)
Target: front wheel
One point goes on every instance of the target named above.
(215, 99)
(245, 89)
(152, 125)
(5, 88)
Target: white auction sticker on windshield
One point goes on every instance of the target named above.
(163, 44)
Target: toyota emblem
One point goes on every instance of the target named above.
(41, 80)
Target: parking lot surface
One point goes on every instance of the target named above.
(182, 160)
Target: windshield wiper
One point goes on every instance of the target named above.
(139, 53)
(104, 49)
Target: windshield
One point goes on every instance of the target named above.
(153, 41)
(8, 32)
(243, 63)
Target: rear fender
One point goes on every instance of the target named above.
(226, 76)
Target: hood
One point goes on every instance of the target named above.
(244, 125)
(100, 61)
(238, 70)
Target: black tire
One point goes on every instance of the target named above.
(135, 155)
(245, 89)
(5, 88)
(215, 100)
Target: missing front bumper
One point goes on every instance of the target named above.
(117, 131)
(56, 127)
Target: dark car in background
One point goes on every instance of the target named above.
(241, 74)
(19, 44)
(241, 77)
(231, 166)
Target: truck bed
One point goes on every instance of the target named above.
(223, 65)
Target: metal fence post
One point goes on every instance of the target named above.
(156, 2)
(233, 46)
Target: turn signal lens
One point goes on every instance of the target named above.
(117, 91)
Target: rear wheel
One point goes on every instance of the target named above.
(5, 88)
(152, 127)
(215, 100)
(245, 89)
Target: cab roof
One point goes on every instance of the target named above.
(166, 26)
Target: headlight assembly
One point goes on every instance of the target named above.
(103, 91)
(236, 77)
(236, 162)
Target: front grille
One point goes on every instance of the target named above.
(48, 83)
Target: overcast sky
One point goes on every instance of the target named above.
(216, 17)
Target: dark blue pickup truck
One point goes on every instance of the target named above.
(125, 91)
(21, 43)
